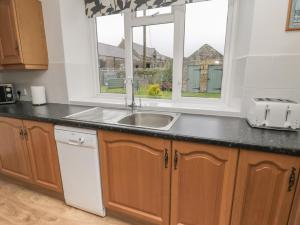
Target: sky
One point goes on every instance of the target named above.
(205, 23)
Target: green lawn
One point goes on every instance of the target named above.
(201, 95)
(104, 89)
(143, 93)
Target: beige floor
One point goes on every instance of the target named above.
(20, 206)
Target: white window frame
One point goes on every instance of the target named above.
(177, 17)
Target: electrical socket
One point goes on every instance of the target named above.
(25, 93)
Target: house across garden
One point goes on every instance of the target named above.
(202, 71)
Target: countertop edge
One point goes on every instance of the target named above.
(155, 133)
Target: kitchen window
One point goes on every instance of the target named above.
(174, 53)
(111, 57)
(152, 57)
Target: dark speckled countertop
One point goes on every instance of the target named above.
(226, 131)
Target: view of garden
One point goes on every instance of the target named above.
(152, 55)
(149, 83)
(145, 93)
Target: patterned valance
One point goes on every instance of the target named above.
(95, 8)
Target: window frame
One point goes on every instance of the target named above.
(177, 17)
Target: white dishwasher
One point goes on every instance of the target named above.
(80, 169)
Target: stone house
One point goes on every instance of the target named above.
(203, 71)
(112, 57)
(112, 63)
(154, 59)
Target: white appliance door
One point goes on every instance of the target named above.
(81, 177)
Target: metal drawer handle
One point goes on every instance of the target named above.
(166, 158)
(292, 179)
(21, 133)
(176, 156)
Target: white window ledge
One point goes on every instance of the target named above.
(211, 108)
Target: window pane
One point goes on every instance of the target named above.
(151, 12)
(153, 60)
(205, 30)
(110, 30)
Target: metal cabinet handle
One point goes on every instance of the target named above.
(166, 158)
(292, 179)
(21, 133)
(176, 156)
(25, 133)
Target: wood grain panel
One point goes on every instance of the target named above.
(136, 180)
(22, 35)
(13, 152)
(32, 32)
(43, 155)
(295, 214)
(9, 35)
(262, 190)
(202, 184)
(20, 206)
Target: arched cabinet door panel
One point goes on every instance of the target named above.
(9, 35)
(202, 184)
(43, 155)
(136, 175)
(295, 214)
(13, 152)
(265, 188)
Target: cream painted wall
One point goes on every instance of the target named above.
(271, 65)
(80, 57)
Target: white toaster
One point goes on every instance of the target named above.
(273, 113)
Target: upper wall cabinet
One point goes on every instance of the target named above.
(22, 35)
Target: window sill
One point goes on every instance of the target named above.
(213, 108)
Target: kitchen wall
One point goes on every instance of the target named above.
(80, 56)
(268, 57)
(265, 57)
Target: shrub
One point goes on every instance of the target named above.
(166, 86)
(154, 90)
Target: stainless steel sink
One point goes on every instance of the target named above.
(140, 119)
(155, 120)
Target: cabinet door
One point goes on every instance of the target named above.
(9, 38)
(43, 155)
(136, 175)
(202, 184)
(295, 214)
(13, 152)
(265, 188)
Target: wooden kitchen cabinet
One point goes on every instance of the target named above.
(43, 155)
(265, 188)
(14, 155)
(136, 175)
(203, 179)
(22, 35)
(28, 152)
